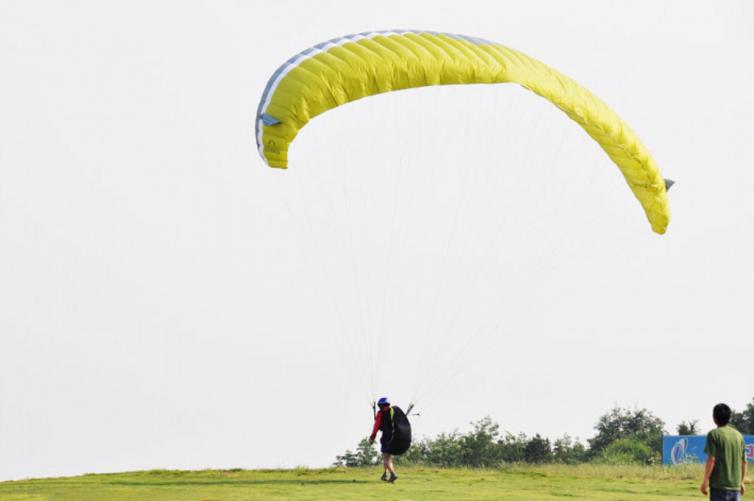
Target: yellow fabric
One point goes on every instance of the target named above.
(363, 65)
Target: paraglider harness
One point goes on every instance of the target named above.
(396, 432)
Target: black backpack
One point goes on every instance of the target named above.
(401, 439)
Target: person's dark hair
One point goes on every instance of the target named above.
(721, 414)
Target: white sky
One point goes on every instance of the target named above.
(168, 301)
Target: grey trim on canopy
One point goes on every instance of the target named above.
(268, 119)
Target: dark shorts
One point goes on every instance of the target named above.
(383, 448)
(724, 495)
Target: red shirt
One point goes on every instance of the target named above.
(377, 423)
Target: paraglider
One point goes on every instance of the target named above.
(393, 423)
(348, 68)
(352, 67)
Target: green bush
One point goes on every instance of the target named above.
(626, 451)
(482, 447)
(624, 437)
(619, 423)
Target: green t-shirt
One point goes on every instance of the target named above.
(727, 447)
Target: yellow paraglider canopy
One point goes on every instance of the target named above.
(348, 68)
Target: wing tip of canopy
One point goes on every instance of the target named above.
(275, 163)
(661, 219)
(659, 216)
(661, 228)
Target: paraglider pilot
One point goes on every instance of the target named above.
(383, 422)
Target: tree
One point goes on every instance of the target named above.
(744, 421)
(511, 448)
(688, 428)
(478, 447)
(639, 424)
(445, 450)
(568, 451)
(365, 455)
(538, 450)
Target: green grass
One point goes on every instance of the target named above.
(582, 482)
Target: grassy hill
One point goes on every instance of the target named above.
(549, 482)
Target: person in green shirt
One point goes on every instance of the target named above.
(725, 470)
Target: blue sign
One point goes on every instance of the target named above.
(681, 449)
